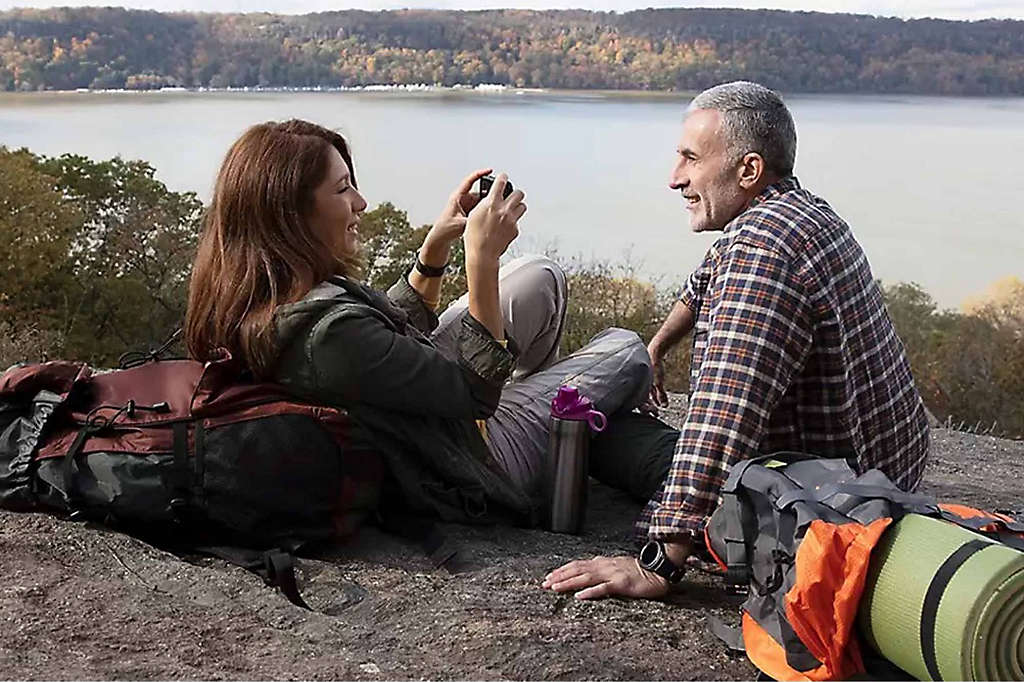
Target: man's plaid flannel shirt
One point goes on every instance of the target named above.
(793, 350)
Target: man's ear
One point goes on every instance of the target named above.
(751, 170)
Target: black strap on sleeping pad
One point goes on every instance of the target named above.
(933, 597)
(275, 566)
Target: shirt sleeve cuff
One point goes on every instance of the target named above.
(491, 359)
(689, 299)
(408, 299)
(670, 525)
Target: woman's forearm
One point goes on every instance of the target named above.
(484, 303)
(435, 254)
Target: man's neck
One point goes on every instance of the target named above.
(766, 181)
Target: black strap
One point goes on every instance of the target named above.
(932, 598)
(71, 497)
(280, 568)
(180, 474)
(199, 464)
(912, 501)
(275, 566)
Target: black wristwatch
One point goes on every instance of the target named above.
(429, 270)
(654, 559)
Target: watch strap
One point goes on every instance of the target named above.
(653, 558)
(430, 270)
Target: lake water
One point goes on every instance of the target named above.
(931, 186)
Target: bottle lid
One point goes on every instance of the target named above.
(569, 404)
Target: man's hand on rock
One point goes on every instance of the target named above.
(619, 576)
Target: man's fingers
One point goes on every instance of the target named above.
(648, 407)
(576, 583)
(659, 395)
(596, 592)
(569, 570)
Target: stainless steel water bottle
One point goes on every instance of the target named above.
(572, 418)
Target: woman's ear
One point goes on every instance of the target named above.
(751, 170)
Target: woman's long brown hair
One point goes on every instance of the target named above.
(257, 251)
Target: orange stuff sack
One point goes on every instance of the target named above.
(797, 532)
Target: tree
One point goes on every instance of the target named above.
(1003, 303)
(37, 227)
(132, 256)
(97, 253)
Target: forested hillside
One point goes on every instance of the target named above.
(681, 49)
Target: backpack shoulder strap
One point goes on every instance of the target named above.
(737, 527)
(275, 566)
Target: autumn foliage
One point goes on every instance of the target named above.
(652, 49)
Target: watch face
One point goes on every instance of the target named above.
(650, 555)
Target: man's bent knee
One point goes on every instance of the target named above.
(533, 272)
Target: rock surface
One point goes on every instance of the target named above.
(78, 601)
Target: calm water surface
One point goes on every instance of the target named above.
(930, 186)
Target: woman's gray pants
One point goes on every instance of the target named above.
(613, 369)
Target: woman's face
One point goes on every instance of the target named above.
(337, 207)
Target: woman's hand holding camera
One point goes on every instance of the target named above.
(493, 224)
(451, 223)
(491, 227)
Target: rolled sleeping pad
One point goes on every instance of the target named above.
(943, 603)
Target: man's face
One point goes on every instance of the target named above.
(704, 173)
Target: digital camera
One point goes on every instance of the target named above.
(485, 187)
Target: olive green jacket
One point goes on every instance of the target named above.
(348, 346)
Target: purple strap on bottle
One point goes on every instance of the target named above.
(569, 404)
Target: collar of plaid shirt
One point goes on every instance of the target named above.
(786, 184)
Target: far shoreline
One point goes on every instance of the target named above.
(489, 90)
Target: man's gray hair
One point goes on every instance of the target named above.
(754, 119)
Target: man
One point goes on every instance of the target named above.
(792, 350)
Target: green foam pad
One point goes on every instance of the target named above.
(979, 623)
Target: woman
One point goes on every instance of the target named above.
(275, 283)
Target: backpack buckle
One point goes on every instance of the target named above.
(177, 508)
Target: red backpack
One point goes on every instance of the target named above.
(184, 452)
